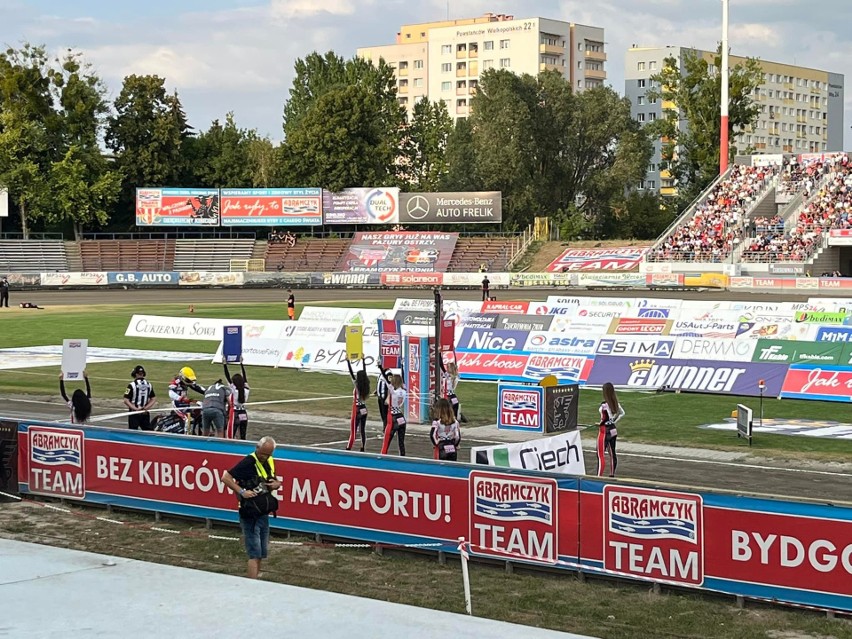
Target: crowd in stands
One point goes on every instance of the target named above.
(282, 237)
(803, 175)
(828, 207)
(718, 224)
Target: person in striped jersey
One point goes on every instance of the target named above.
(139, 396)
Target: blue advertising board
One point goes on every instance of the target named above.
(520, 407)
(144, 278)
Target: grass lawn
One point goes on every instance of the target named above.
(651, 418)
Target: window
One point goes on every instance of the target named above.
(403, 83)
(640, 66)
(489, 45)
(446, 86)
(403, 65)
(580, 64)
(461, 66)
(487, 64)
(505, 63)
(651, 116)
(652, 99)
(504, 44)
(641, 84)
(641, 185)
(640, 100)
(652, 184)
(403, 101)
(652, 65)
(446, 67)
(640, 117)
(461, 48)
(652, 167)
(446, 49)
(418, 64)
(418, 82)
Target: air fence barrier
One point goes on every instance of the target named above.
(779, 550)
(498, 281)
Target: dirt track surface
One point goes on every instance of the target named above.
(696, 469)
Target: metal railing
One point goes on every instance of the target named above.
(520, 245)
(32, 236)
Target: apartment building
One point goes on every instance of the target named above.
(801, 109)
(444, 60)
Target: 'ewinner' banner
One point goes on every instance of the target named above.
(558, 454)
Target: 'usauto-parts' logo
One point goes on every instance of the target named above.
(56, 461)
(381, 206)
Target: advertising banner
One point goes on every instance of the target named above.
(211, 278)
(346, 279)
(321, 355)
(354, 341)
(567, 369)
(390, 343)
(406, 252)
(361, 206)
(411, 279)
(504, 308)
(840, 237)
(604, 280)
(633, 346)
(833, 334)
(90, 278)
(611, 259)
(492, 366)
(475, 207)
(725, 350)
(798, 352)
(697, 376)
(258, 351)
(816, 317)
(561, 453)
(448, 335)
(476, 339)
(24, 279)
(145, 278)
(420, 374)
(544, 342)
(201, 328)
(825, 383)
(786, 551)
(525, 323)
(8, 459)
(562, 405)
(640, 326)
(271, 207)
(177, 207)
(518, 408)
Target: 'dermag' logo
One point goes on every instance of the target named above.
(56, 462)
(513, 517)
(654, 534)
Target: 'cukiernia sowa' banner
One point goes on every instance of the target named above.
(272, 207)
(177, 207)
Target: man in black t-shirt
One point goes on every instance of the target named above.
(291, 304)
(252, 476)
(4, 292)
(486, 288)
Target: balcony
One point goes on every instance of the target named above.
(665, 174)
(546, 66)
(594, 74)
(460, 55)
(551, 49)
(598, 56)
(403, 89)
(668, 191)
(669, 105)
(402, 72)
(473, 53)
(461, 91)
(461, 73)
(461, 110)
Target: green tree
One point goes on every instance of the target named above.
(424, 145)
(642, 216)
(147, 134)
(27, 125)
(220, 156)
(359, 147)
(550, 150)
(691, 126)
(461, 159)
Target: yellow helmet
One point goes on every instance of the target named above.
(187, 373)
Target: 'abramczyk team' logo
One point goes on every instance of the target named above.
(514, 517)
(654, 534)
(56, 461)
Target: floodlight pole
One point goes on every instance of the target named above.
(723, 141)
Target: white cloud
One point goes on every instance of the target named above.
(301, 8)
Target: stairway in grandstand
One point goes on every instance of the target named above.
(33, 256)
(210, 255)
(127, 255)
(308, 255)
(473, 252)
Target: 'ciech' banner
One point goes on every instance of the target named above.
(781, 550)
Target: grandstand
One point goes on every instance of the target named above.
(33, 256)
(210, 255)
(472, 252)
(127, 255)
(308, 254)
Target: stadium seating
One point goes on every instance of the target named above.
(127, 255)
(473, 252)
(33, 256)
(828, 205)
(210, 255)
(717, 223)
(307, 255)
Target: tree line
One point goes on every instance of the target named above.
(71, 159)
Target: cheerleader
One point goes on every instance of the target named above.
(240, 393)
(383, 386)
(80, 403)
(445, 434)
(611, 412)
(358, 422)
(397, 423)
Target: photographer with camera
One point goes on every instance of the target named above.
(253, 479)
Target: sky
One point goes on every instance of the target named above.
(238, 55)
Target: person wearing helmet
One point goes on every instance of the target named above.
(139, 399)
(183, 382)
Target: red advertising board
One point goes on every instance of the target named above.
(412, 279)
(639, 326)
(400, 252)
(491, 365)
(604, 259)
(271, 207)
(448, 335)
(784, 551)
(175, 207)
(818, 383)
(517, 308)
(390, 343)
